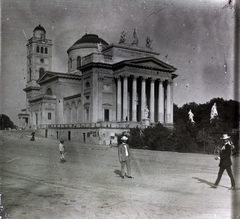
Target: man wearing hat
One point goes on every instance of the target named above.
(225, 161)
(124, 157)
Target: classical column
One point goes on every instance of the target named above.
(152, 99)
(171, 108)
(119, 99)
(134, 99)
(169, 102)
(125, 97)
(143, 98)
(161, 102)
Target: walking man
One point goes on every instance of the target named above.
(124, 157)
(225, 161)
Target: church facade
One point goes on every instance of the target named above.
(107, 85)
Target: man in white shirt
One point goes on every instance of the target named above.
(62, 151)
(124, 157)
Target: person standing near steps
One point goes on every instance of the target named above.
(225, 161)
(124, 157)
(62, 151)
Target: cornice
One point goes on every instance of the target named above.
(28, 89)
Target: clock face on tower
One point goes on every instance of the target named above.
(42, 60)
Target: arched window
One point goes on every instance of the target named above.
(41, 72)
(37, 49)
(41, 49)
(46, 50)
(49, 91)
(87, 85)
(79, 61)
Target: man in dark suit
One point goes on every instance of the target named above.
(124, 157)
(225, 161)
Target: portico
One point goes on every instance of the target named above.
(138, 91)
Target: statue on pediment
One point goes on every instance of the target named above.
(122, 37)
(149, 43)
(135, 38)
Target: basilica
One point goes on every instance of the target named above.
(108, 88)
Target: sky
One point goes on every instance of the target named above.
(194, 36)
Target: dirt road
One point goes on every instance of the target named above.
(166, 185)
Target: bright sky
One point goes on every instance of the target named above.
(195, 36)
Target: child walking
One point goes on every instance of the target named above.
(62, 151)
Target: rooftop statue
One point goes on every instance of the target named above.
(122, 37)
(135, 38)
(149, 42)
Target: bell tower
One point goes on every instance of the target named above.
(39, 60)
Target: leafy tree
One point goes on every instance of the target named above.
(157, 137)
(135, 138)
(5, 122)
(203, 135)
(182, 139)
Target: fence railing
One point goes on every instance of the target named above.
(89, 125)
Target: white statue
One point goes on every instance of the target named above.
(99, 47)
(190, 114)
(214, 112)
(146, 111)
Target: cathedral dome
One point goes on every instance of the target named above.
(88, 41)
(39, 27)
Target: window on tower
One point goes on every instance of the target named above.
(41, 49)
(46, 50)
(38, 50)
(49, 91)
(79, 61)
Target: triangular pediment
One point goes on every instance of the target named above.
(148, 63)
(50, 76)
(46, 76)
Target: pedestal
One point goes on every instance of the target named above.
(145, 122)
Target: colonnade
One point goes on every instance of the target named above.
(132, 102)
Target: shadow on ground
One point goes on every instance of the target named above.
(118, 172)
(208, 183)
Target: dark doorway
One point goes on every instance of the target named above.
(69, 135)
(106, 115)
(84, 137)
(57, 134)
(46, 133)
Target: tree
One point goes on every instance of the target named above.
(5, 122)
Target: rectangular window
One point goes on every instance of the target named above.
(49, 116)
(87, 114)
(106, 115)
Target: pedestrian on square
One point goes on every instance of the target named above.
(110, 144)
(124, 157)
(33, 136)
(225, 161)
(62, 151)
